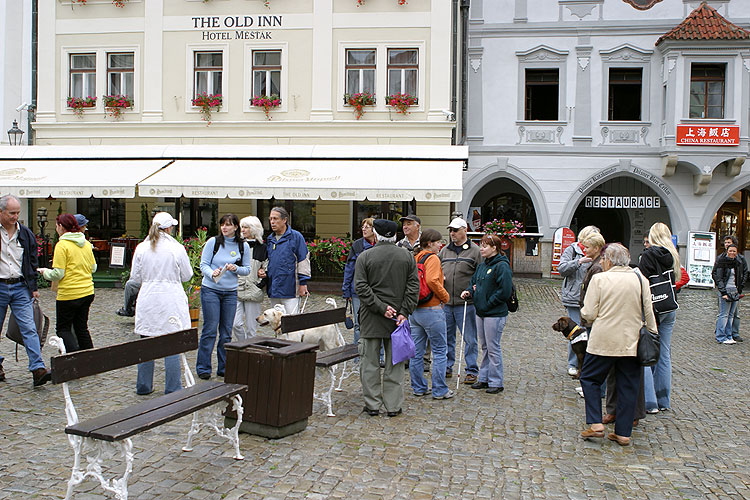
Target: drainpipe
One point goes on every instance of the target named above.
(464, 72)
(454, 63)
(30, 111)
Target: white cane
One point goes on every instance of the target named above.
(461, 345)
(303, 304)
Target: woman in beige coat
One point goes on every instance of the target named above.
(614, 301)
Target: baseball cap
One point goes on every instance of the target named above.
(81, 220)
(164, 220)
(411, 217)
(457, 223)
(385, 228)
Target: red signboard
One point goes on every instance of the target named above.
(708, 135)
(562, 238)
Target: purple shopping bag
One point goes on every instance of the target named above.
(402, 345)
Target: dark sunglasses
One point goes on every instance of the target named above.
(453, 230)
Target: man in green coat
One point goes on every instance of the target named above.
(386, 280)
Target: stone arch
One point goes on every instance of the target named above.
(678, 217)
(499, 169)
(718, 200)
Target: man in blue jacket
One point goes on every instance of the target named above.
(288, 263)
(18, 263)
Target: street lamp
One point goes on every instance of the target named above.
(15, 134)
(41, 219)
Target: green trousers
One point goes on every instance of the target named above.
(384, 389)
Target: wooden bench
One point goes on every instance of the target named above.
(331, 358)
(109, 434)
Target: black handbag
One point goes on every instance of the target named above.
(513, 300)
(663, 296)
(348, 321)
(649, 347)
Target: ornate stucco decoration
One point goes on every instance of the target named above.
(642, 4)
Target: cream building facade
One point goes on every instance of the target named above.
(308, 53)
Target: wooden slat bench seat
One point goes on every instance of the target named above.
(331, 358)
(110, 433)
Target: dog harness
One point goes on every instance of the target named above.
(573, 331)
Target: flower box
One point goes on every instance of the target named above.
(401, 102)
(78, 104)
(266, 102)
(207, 103)
(358, 101)
(114, 105)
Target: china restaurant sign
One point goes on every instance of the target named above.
(708, 135)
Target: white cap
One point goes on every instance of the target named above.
(457, 223)
(164, 220)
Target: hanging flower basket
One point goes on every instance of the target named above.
(359, 101)
(114, 105)
(503, 228)
(117, 3)
(207, 103)
(362, 2)
(78, 104)
(401, 102)
(266, 102)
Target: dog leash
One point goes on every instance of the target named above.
(461, 346)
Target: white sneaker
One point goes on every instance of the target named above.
(729, 341)
(652, 411)
(579, 390)
(447, 395)
(572, 371)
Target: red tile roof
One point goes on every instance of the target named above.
(704, 23)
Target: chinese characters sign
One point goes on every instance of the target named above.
(708, 135)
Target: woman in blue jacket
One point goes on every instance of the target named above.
(365, 242)
(490, 287)
(222, 261)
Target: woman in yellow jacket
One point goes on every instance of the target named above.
(428, 320)
(72, 265)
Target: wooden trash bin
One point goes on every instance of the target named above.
(280, 379)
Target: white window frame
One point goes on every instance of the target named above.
(102, 87)
(360, 70)
(121, 73)
(553, 59)
(247, 107)
(643, 61)
(733, 63)
(190, 51)
(403, 70)
(381, 74)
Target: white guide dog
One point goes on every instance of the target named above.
(325, 336)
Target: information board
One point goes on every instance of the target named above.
(701, 254)
(561, 240)
(117, 255)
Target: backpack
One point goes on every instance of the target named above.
(513, 300)
(425, 294)
(240, 245)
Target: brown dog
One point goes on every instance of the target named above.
(571, 331)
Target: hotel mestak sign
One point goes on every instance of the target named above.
(708, 135)
(237, 27)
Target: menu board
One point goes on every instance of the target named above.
(701, 254)
(562, 239)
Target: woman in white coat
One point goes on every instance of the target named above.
(250, 288)
(160, 265)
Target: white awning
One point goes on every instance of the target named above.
(310, 179)
(75, 178)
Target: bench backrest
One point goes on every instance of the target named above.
(79, 364)
(297, 322)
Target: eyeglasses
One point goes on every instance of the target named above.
(454, 230)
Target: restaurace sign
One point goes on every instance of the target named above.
(240, 27)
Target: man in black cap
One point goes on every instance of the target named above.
(412, 227)
(386, 280)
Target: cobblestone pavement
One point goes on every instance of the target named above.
(522, 443)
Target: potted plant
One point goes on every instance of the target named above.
(194, 248)
(266, 102)
(328, 255)
(114, 105)
(207, 104)
(78, 104)
(503, 228)
(401, 102)
(359, 101)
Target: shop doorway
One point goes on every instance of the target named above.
(503, 199)
(624, 209)
(732, 218)
(391, 210)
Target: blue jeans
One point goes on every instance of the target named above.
(657, 379)
(489, 333)
(428, 323)
(724, 320)
(145, 382)
(574, 313)
(18, 297)
(735, 319)
(454, 316)
(219, 307)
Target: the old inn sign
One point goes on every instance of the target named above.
(237, 27)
